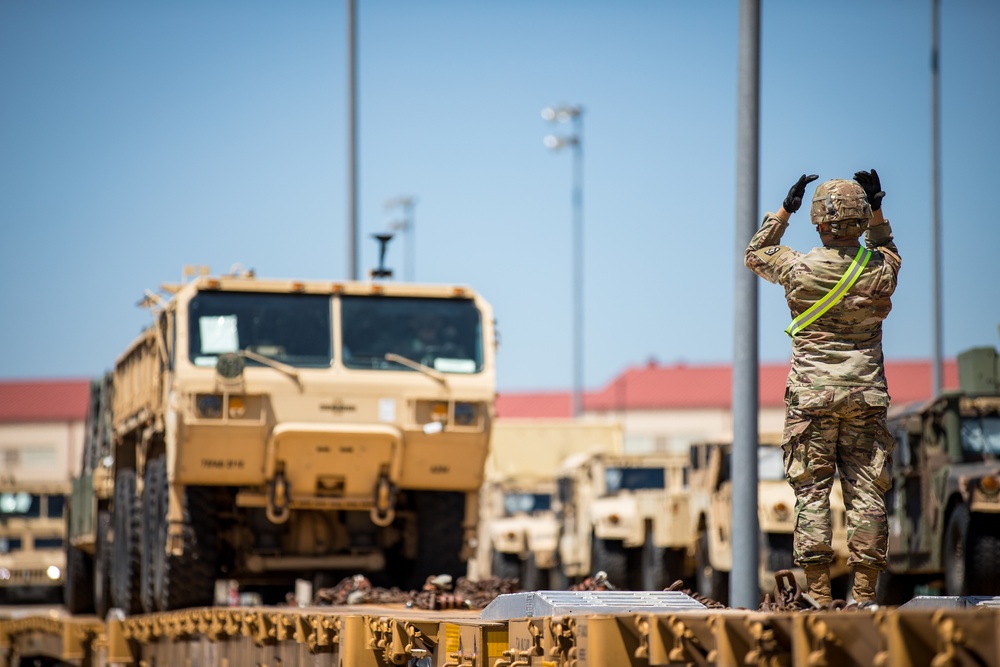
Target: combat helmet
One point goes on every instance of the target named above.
(842, 205)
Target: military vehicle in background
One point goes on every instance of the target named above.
(522, 532)
(32, 533)
(944, 504)
(267, 430)
(626, 515)
(710, 480)
(519, 529)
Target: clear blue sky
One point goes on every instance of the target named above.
(136, 138)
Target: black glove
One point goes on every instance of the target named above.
(794, 199)
(872, 187)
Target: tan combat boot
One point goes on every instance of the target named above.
(818, 583)
(865, 579)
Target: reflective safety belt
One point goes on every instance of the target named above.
(831, 298)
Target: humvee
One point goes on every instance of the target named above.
(944, 503)
(626, 515)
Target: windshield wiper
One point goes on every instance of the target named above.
(417, 366)
(273, 363)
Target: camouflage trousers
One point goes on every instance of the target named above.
(841, 429)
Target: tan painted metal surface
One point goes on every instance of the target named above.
(383, 636)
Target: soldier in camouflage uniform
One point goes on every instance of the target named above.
(836, 397)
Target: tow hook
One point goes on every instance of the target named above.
(384, 511)
(277, 499)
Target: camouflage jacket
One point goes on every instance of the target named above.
(844, 346)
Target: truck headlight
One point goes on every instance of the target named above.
(466, 414)
(209, 406)
(781, 511)
(53, 572)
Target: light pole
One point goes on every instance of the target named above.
(573, 114)
(405, 225)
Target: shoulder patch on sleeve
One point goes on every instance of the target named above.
(770, 254)
(886, 251)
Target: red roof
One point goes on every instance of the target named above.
(31, 401)
(678, 387)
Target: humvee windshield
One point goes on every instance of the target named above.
(981, 435)
(770, 464)
(294, 329)
(443, 334)
(515, 503)
(619, 479)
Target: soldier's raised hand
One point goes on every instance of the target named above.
(794, 199)
(872, 187)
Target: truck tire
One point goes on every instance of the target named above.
(709, 581)
(675, 567)
(956, 538)
(152, 523)
(779, 553)
(650, 575)
(505, 565)
(102, 565)
(531, 575)
(983, 555)
(187, 580)
(439, 536)
(892, 588)
(126, 548)
(609, 556)
(558, 579)
(78, 589)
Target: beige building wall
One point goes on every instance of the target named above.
(676, 430)
(40, 452)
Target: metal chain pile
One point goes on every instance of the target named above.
(704, 599)
(436, 593)
(788, 596)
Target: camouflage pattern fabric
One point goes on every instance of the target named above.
(844, 346)
(843, 429)
(836, 397)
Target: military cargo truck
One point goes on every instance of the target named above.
(267, 430)
(519, 529)
(626, 515)
(944, 504)
(711, 500)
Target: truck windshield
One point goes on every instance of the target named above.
(619, 479)
(526, 503)
(981, 435)
(443, 334)
(294, 329)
